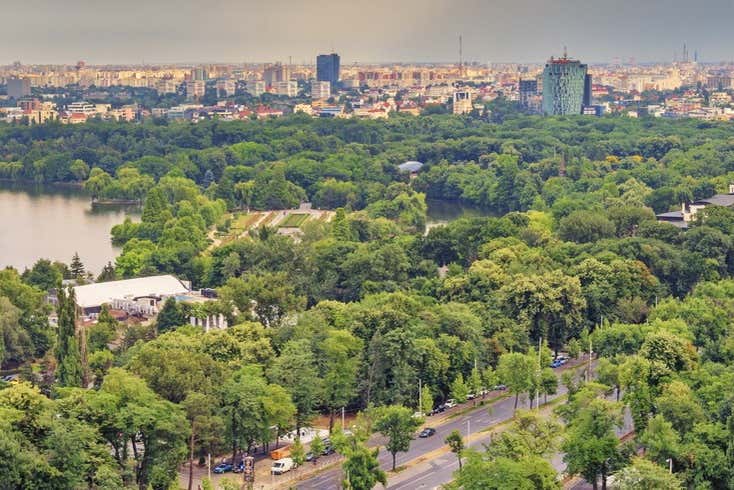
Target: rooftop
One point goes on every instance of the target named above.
(718, 200)
(91, 295)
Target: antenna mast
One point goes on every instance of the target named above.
(461, 58)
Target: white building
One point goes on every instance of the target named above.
(320, 90)
(288, 88)
(133, 295)
(462, 102)
(82, 107)
(195, 89)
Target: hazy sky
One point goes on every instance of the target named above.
(130, 31)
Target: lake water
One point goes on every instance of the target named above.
(441, 212)
(53, 222)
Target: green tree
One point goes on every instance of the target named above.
(646, 475)
(69, 370)
(398, 425)
(426, 400)
(298, 454)
(295, 370)
(170, 316)
(515, 370)
(362, 469)
(591, 447)
(340, 356)
(660, 440)
(456, 443)
(459, 389)
(76, 267)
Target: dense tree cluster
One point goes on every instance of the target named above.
(359, 309)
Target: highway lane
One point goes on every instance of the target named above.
(474, 420)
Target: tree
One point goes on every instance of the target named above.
(548, 383)
(362, 469)
(298, 454)
(108, 273)
(529, 473)
(426, 400)
(585, 226)
(574, 348)
(76, 267)
(295, 370)
(459, 389)
(70, 370)
(205, 424)
(515, 370)
(661, 441)
(456, 443)
(317, 448)
(44, 275)
(591, 447)
(170, 316)
(646, 475)
(341, 358)
(398, 425)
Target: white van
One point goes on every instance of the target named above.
(282, 466)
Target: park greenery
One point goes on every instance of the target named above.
(360, 311)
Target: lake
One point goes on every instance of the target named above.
(53, 222)
(440, 212)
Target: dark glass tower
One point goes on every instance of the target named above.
(327, 68)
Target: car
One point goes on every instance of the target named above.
(450, 403)
(555, 364)
(239, 467)
(427, 432)
(282, 466)
(309, 456)
(328, 449)
(499, 388)
(471, 396)
(223, 467)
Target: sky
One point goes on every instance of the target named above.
(186, 31)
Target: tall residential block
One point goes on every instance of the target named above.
(564, 81)
(327, 68)
(18, 87)
(320, 90)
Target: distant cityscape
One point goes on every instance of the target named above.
(71, 94)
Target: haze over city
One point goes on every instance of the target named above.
(168, 31)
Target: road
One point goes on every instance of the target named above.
(434, 473)
(439, 469)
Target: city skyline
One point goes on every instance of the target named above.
(522, 31)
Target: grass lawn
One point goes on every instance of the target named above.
(293, 220)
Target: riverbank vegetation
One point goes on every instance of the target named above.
(364, 305)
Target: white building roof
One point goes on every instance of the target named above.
(92, 295)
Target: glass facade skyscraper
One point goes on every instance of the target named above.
(564, 83)
(327, 68)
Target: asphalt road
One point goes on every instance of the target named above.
(442, 467)
(432, 474)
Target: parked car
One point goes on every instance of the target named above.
(471, 396)
(239, 467)
(328, 449)
(427, 432)
(223, 467)
(555, 364)
(450, 403)
(282, 466)
(309, 456)
(500, 388)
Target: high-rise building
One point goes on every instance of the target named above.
(327, 68)
(462, 102)
(564, 80)
(195, 89)
(320, 90)
(289, 88)
(277, 72)
(529, 95)
(18, 87)
(587, 90)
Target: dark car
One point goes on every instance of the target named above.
(328, 450)
(239, 467)
(223, 467)
(427, 432)
(309, 456)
